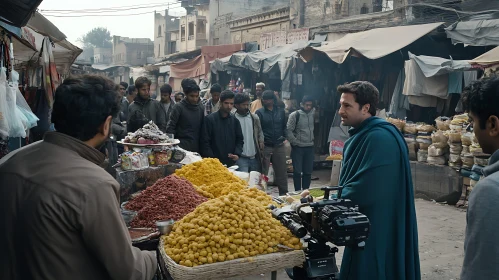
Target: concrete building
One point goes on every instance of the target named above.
(103, 55)
(318, 12)
(223, 11)
(251, 28)
(166, 30)
(132, 51)
(193, 27)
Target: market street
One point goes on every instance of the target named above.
(441, 238)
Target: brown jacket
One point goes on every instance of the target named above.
(60, 216)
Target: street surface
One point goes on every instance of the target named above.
(441, 238)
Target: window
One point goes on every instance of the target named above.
(139, 55)
(182, 33)
(364, 9)
(201, 27)
(159, 50)
(191, 30)
(337, 8)
(377, 6)
(159, 31)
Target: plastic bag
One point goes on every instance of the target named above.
(454, 136)
(467, 138)
(455, 149)
(434, 151)
(439, 139)
(410, 128)
(24, 108)
(336, 147)
(422, 156)
(270, 175)
(4, 123)
(453, 158)
(425, 128)
(16, 127)
(440, 160)
(397, 123)
(443, 123)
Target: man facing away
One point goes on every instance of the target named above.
(300, 133)
(251, 157)
(273, 122)
(212, 105)
(166, 100)
(481, 249)
(186, 118)
(257, 103)
(149, 107)
(60, 215)
(376, 176)
(222, 136)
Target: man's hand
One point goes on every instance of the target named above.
(233, 157)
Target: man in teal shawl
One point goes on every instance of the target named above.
(376, 176)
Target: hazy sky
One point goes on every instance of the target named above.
(137, 26)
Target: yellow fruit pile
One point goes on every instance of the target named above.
(207, 172)
(226, 228)
(264, 199)
(219, 189)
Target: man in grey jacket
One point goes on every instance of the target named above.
(481, 246)
(60, 214)
(251, 158)
(300, 134)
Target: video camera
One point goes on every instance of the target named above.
(335, 221)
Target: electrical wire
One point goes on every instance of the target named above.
(111, 8)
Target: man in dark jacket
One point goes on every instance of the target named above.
(166, 100)
(273, 120)
(222, 136)
(129, 97)
(149, 107)
(186, 118)
(60, 216)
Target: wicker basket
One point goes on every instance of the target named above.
(234, 268)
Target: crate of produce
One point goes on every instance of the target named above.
(234, 268)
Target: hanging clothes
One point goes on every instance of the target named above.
(399, 104)
(417, 84)
(455, 82)
(50, 76)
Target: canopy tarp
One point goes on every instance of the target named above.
(434, 66)
(264, 60)
(490, 57)
(474, 33)
(372, 44)
(200, 65)
(17, 12)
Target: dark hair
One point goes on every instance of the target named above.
(226, 94)
(123, 84)
(166, 88)
(82, 104)
(308, 98)
(482, 98)
(142, 81)
(364, 92)
(215, 88)
(189, 85)
(180, 93)
(241, 98)
(268, 94)
(131, 89)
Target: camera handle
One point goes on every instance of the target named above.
(328, 189)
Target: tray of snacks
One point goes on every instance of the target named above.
(149, 135)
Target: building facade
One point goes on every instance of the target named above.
(103, 55)
(223, 11)
(251, 28)
(166, 30)
(194, 29)
(132, 51)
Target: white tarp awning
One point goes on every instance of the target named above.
(374, 43)
(490, 57)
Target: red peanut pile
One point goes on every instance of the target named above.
(169, 198)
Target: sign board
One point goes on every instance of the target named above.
(279, 38)
(295, 35)
(28, 36)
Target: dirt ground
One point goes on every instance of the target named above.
(441, 238)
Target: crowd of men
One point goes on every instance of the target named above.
(228, 126)
(60, 213)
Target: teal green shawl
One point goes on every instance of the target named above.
(376, 176)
